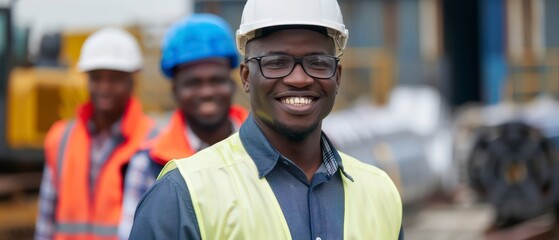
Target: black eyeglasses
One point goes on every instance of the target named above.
(280, 66)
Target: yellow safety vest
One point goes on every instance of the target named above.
(231, 202)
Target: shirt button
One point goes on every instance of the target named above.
(318, 238)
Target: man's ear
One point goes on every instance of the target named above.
(174, 91)
(244, 72)
(338, 77)
(134, 76)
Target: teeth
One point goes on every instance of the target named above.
(297, 100)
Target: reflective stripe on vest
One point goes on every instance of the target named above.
(62, 148)
(231, 202)
(85, 228)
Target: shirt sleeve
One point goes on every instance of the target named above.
(166, 211)
(139, 178)
(45, 224)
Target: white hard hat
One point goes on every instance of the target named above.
(259, 14)
(112, 49)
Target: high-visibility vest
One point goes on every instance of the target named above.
(172, 143)
(231, 201)
(82, 212)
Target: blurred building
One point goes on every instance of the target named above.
(483, 50)
(520, 49)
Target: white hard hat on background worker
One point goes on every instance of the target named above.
(111, 49)
(270, 13)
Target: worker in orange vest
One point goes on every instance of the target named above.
(198, 54)
(87, 157)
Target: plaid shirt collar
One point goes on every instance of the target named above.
(198, 144)
(265, 156)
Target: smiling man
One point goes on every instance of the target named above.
(279, 177)
(198, 55)
(86, 157)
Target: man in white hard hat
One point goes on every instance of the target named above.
(279, 177)
(86, 157)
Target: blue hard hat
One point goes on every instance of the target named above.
(197, 37)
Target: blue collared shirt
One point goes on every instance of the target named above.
(313, 210)
(141, 175)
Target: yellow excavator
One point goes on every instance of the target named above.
(36, 96)
(29, 99)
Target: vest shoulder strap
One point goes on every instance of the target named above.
(229, 199)
(62, 146)
(55, 146)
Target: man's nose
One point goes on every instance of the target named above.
(206, 90)
(298, 77)
(104, 84)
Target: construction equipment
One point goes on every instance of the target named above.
(415, 154)
(15, 108)
(514, 166)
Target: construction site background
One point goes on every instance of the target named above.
(420, 79)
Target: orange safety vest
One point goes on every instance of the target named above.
(172, 142)
(79, 214)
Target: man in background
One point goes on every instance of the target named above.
(198, 55)
(86, 157)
